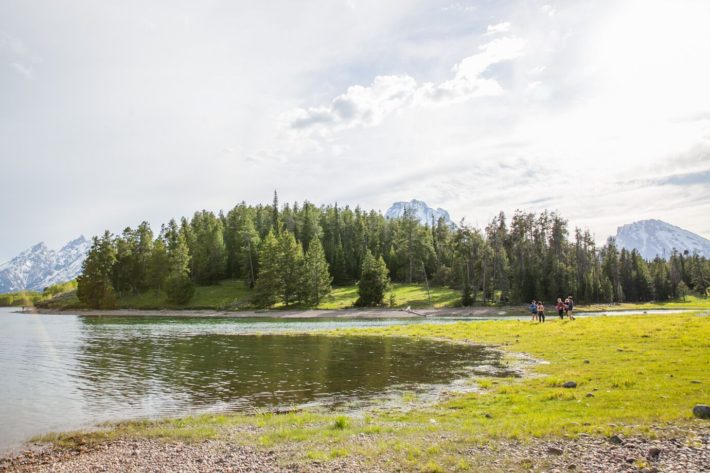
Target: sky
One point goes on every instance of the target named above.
(116, 112)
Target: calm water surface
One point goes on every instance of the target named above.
(65, 372)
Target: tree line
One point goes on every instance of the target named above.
(293, 254)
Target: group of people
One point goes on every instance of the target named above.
(564, 308)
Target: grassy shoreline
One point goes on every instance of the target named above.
(641, 371)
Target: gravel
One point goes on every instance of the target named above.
(679, 450)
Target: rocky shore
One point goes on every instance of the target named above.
(685, 450)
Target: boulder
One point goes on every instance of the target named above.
(569, 384)
(701, 411)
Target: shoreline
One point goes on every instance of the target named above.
(651, 431)
(503, 313)
(352, 313)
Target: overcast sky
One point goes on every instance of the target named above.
(116, 112)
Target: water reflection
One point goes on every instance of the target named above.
(166, 371)
(66, 372)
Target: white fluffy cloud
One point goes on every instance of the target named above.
(503, 27)
(370, 105)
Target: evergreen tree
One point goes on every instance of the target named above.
(275, 221)
(374, 281)
(178, 285)
(94, 286)
(158, 265)
(290, 257)
(209, 253)
(316, 278)
(268, 284)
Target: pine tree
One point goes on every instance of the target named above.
(158, 265)
(178, 285)
(275, 220)
(142, 251)
(290, 258)
(94, 287)
(268, 284)
(374, 281)
(316, 278)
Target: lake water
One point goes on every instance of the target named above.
(63, 372)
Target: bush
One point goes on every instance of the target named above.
(179, 290)
(374, 282)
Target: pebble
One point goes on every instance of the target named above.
(673, 449)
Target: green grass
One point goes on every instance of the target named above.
(643, 371)
(61, 291)
(405, 295)
(231, 294)
(690, 302)
(235, 294)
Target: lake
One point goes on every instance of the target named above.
(63, 372)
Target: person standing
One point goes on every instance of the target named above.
(570, 308)
(533, 310)
(540, 312)
(560, 308)
(566, 304)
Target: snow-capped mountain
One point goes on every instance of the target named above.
(39, 267)
(421, 210)
(655, 237)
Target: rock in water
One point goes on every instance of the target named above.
(701, 411)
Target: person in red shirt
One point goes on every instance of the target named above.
(560, 308)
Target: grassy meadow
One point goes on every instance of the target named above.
(234, 294)
(633, 374)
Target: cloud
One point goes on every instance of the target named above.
(22, 70)
(459, 7)
(12, 45)
(687, 179)
(498, 28)
(363, 106)
(367, 106)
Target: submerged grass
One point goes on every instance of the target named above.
(632, 373)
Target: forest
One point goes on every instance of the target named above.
(293, 255)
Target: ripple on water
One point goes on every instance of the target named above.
(66, 372)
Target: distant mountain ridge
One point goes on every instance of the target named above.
(657, 238)
(421, 210)
(39, 267)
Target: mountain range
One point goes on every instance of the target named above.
(39, 267)
(425, 214)
(657, 238)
